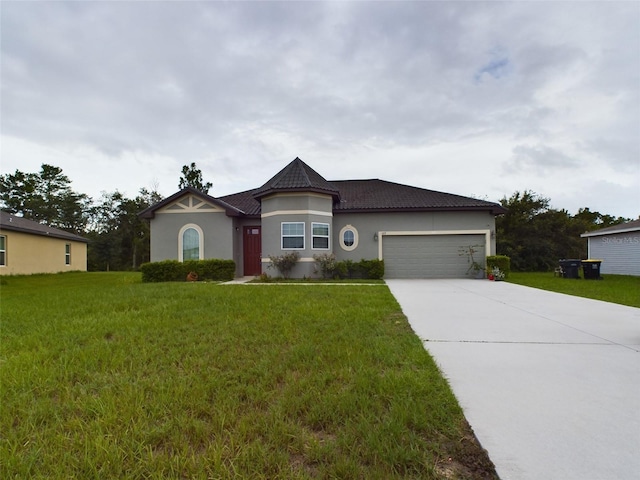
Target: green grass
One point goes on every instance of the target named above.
(105, 377)
(622, 289)
(317, 280)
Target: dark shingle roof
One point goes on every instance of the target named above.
(296, 177)
(380, 195)
(348, 195)
(244, 201)
(14, 223)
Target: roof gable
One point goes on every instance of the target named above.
(190, 199)
(190, 203)
(296, 177)
(14, 223)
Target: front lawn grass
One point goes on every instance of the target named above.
(105, 377)
(622, 289)
(317, 280)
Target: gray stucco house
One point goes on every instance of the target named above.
(419, 233)
(618, 247)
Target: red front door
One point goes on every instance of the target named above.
(252, 249)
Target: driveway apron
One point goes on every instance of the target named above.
(549, 382)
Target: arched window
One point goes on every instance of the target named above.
(190, 243)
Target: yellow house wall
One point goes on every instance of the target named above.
(27, 254)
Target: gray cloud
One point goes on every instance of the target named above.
(540, 160)
(245, 87)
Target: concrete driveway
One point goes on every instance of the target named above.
(550, 383)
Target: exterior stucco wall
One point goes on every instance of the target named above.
(297, 202)
(619, 252)
(27, 254)
(369, 224)
(306, 208)
(217, 228)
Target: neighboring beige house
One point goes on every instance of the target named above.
(28, 247)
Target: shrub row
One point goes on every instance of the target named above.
(327, 265)
(175, 271)
(370, 269)
(501, 261)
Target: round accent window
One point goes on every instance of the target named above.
(348, 238)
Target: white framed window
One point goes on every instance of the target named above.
(190, 243)
(292, 235)
(67, 254)
(3, 251)
(348, 238)
(320, 236)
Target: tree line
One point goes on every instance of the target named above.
(118, 239)
(534, 235)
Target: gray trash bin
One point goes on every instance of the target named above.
(570, 267)
(591, 269)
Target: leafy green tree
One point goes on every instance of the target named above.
(120, 240)
(516, 232)
(588, 220)
(137, 232)
(557, 238)
(45, 197)
(536, 236)
(192, 177)
(104, 251)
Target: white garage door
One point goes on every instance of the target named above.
(429, 256)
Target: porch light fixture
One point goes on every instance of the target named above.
(375, 237)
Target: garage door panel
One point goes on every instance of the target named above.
(428, 256)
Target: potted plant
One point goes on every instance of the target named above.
(497, 274)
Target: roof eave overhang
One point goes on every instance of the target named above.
(610, 232)
(494, 210)
(148, 213)
(70, 237)
(274, 191)
(234, 213)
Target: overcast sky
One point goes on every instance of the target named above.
(475, 98)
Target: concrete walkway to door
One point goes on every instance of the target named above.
(550, 383)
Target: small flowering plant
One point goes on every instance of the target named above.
(284, 263)
(497, 273)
